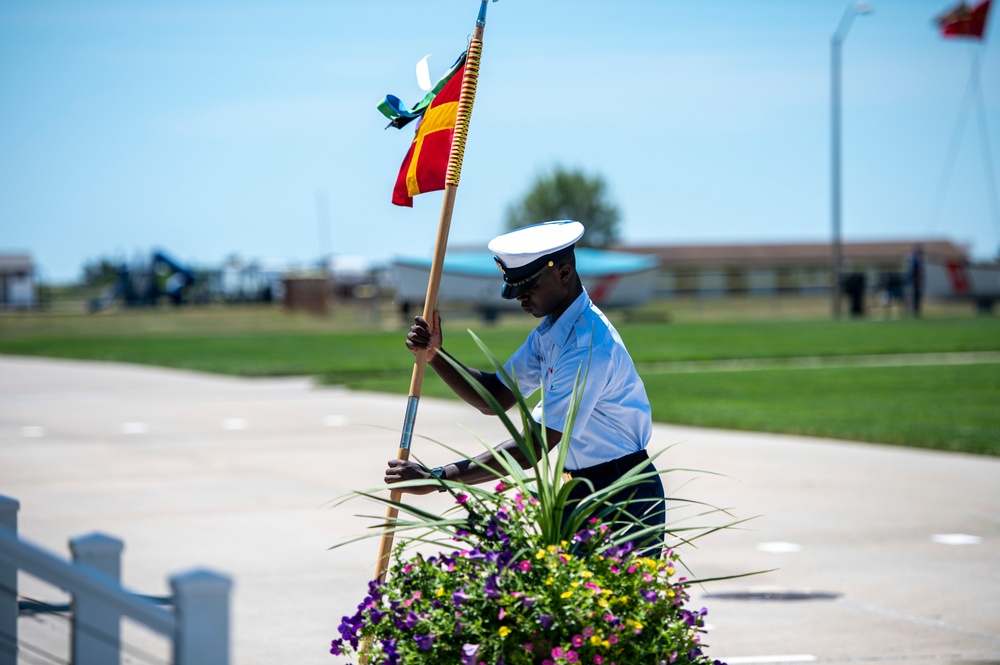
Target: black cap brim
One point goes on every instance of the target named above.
(510, 292)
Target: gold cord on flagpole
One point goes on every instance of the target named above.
(465, 101)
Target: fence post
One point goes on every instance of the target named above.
(96, 638)
(201, 601)
(8, 587)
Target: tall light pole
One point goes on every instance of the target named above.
(835, 46)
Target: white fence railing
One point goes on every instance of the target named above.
(197, 627)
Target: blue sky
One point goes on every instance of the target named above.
(211, 128)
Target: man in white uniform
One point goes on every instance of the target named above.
(613, 422)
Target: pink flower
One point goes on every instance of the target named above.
(501, 486)
(528, 646)
(572, 657)
(524, 565)
(462, 498)
(557, 652)
(577, 640)
(598, 659)
(588, 631)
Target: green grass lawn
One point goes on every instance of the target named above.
(944, 406)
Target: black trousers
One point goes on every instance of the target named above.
(642, 503)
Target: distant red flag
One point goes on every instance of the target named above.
(964, 21)
(426, 163)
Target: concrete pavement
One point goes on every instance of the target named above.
(897, 548)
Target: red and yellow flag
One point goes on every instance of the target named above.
(964, 21)
(426, 162)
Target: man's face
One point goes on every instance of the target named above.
(549, 293)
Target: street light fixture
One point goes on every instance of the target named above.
(852, 10)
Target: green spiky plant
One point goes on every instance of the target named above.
(535, 579)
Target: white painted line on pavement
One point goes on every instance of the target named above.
(134, 428)
(337, 420)
(233, 424)
(779, 547)
(793, 658)
(956, 539)
(32, 432)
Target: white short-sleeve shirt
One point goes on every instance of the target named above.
(613, 417)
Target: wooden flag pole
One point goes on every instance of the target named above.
(465, 101)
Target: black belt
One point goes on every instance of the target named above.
(611, 470)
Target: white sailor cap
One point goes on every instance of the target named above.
(523, 254)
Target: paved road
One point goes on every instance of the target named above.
(898, 548)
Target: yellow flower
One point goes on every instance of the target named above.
(566, 594)
(602, 603)
(551, 548)
(586, 574)
(439, 592)
(606, 644)
(670, 593)
(595, 640)
(574, 584)
(540, 554)
(549, 581)
(670, 570)
(504, 631)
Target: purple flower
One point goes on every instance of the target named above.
(349, 627)
(459, 598)
(391, 655)
(491, 588)
(545, 620)
(493, 529)
(649, 595)
(336, 647)
(424, 642)
(411, 620)
(469, 652)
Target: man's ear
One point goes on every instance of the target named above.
(565, 272)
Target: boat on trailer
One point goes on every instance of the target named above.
(472, 279)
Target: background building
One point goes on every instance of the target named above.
(17, 282)
(783, 269)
